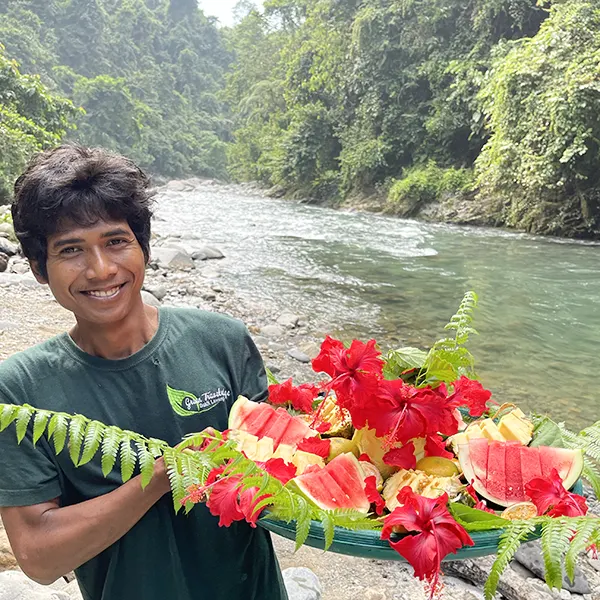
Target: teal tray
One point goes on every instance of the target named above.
(367, 544)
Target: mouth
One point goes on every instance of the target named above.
(105, 294)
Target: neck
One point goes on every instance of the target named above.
(117, 340)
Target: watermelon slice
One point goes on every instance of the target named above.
(501, 470)
(262, 420)
(338, 485)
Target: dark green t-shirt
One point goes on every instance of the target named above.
(164, 556)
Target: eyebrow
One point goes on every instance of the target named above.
(106, 234)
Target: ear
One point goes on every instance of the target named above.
(35, 269)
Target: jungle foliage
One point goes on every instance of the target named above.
(420, 99)
(146, 72)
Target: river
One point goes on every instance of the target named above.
(367, 275)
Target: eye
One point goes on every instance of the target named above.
(117, 241)
(69, 250)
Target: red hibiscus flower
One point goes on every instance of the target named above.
(402, 412)
(403, 457)
(278, 468)
(300, 397)
(373, 496)
(479, 504)
(433, 534)
(315, 445)
(470, 393)
(435, 446)
(355, 371)
(551, 498)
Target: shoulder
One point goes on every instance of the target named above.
(23, 371)
(205, 323)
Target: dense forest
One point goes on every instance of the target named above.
(401, 104)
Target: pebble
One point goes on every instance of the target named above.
(158, 291)
(272, 331)
(8, 247)
(288, 320)
(149, 299)
(298, 355)
(3, 262)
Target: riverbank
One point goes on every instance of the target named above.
(187, 271)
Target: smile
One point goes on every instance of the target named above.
(109, 293)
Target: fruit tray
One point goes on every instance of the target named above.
(367, 544)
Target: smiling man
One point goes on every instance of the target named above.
(83, 219)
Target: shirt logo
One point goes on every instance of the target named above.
(186, 404)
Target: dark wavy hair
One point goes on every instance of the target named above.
(79, 185)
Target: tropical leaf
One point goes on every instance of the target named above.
(57, 430)
(128, 458)
(40, 421)
(7, 415)
(303, 522)
(556, 537)
(328, 527)
(110, 449)
(93, 438)
(24, 414)
(77, 427)
(586, 529)
(146, 461)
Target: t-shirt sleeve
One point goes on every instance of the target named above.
(254, 376)
(28, 474)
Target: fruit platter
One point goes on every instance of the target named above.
(400, 456)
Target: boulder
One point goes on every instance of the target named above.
(207, 253)
(302, 584)
(171, 258)
(149, 299)
(288, 320)
(158, 291)
(15, 585)
(271, 331)
(3, 262)
(8, 247)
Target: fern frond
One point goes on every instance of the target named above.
(176, 480)
(516, 533)
(128, 457)
(556, 536)
(8, 415)
(326, 519)
(93, 438)
(77, 427)
(24, 414)
(303, 521)
(146, 461)
(57, 431)
(586, 529)
(592, 475)
(110, 448)
(40, 421)
(156, 447)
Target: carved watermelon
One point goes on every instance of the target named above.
(340, 484)
(500, 470)
(262, 420)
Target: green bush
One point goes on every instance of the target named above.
(423, 184)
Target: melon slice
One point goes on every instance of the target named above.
(262, 420)
(338, 485)
(501, 470)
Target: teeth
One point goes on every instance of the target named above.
(104, 293)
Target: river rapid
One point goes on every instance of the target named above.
(366, 275)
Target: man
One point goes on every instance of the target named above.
(83, 219)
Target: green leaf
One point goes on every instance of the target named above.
(156, 447)
(40, 420)
(473, 519)
(57, 430)
(128, 459)
(547, 433)
(328, 528)
(403, 359)
(587, 529)
(110, 448)
(556, 537)
(8, 415)
(271, 379)
(24, 414)
(176, 480)
(77, 428)
(303, 520)
(146, 463)
(92, 441)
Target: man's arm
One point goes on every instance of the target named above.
(50, 541)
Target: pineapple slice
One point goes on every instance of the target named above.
(515, 426)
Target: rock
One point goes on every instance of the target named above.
(7, 230)
(177, 185)
(277, 347)
(18, 266)
(6, 326)
(149, 299)
(260, 340)
(209, 296)
(172, 258)
(298, 355)
(302, 584)
(273, 368)
(15, 585)
(73, 590)
(594, 562)
(312, 349)
(28, 280)
(288, 320)
(158, 291)
(8, 247)
(3, 262)
(373, 594)
(272, 331)
(210, 273)
(530, 556)
(207, 253)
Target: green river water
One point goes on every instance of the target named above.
(399, 281)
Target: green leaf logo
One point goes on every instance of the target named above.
(180, 399)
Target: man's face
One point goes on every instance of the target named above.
(96, 272)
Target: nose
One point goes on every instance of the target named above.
(100, 265)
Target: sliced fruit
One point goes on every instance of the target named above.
(370, 470)
(429, 486)
(500, 471)
(302, 460)
(262, 420)
(254, 448)
(368, 443)
(285, 452)
(340, 445)
(437, 465)
(514, 426)
(338, 485)
(490, 430)
(339, 418)
(520, 511)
